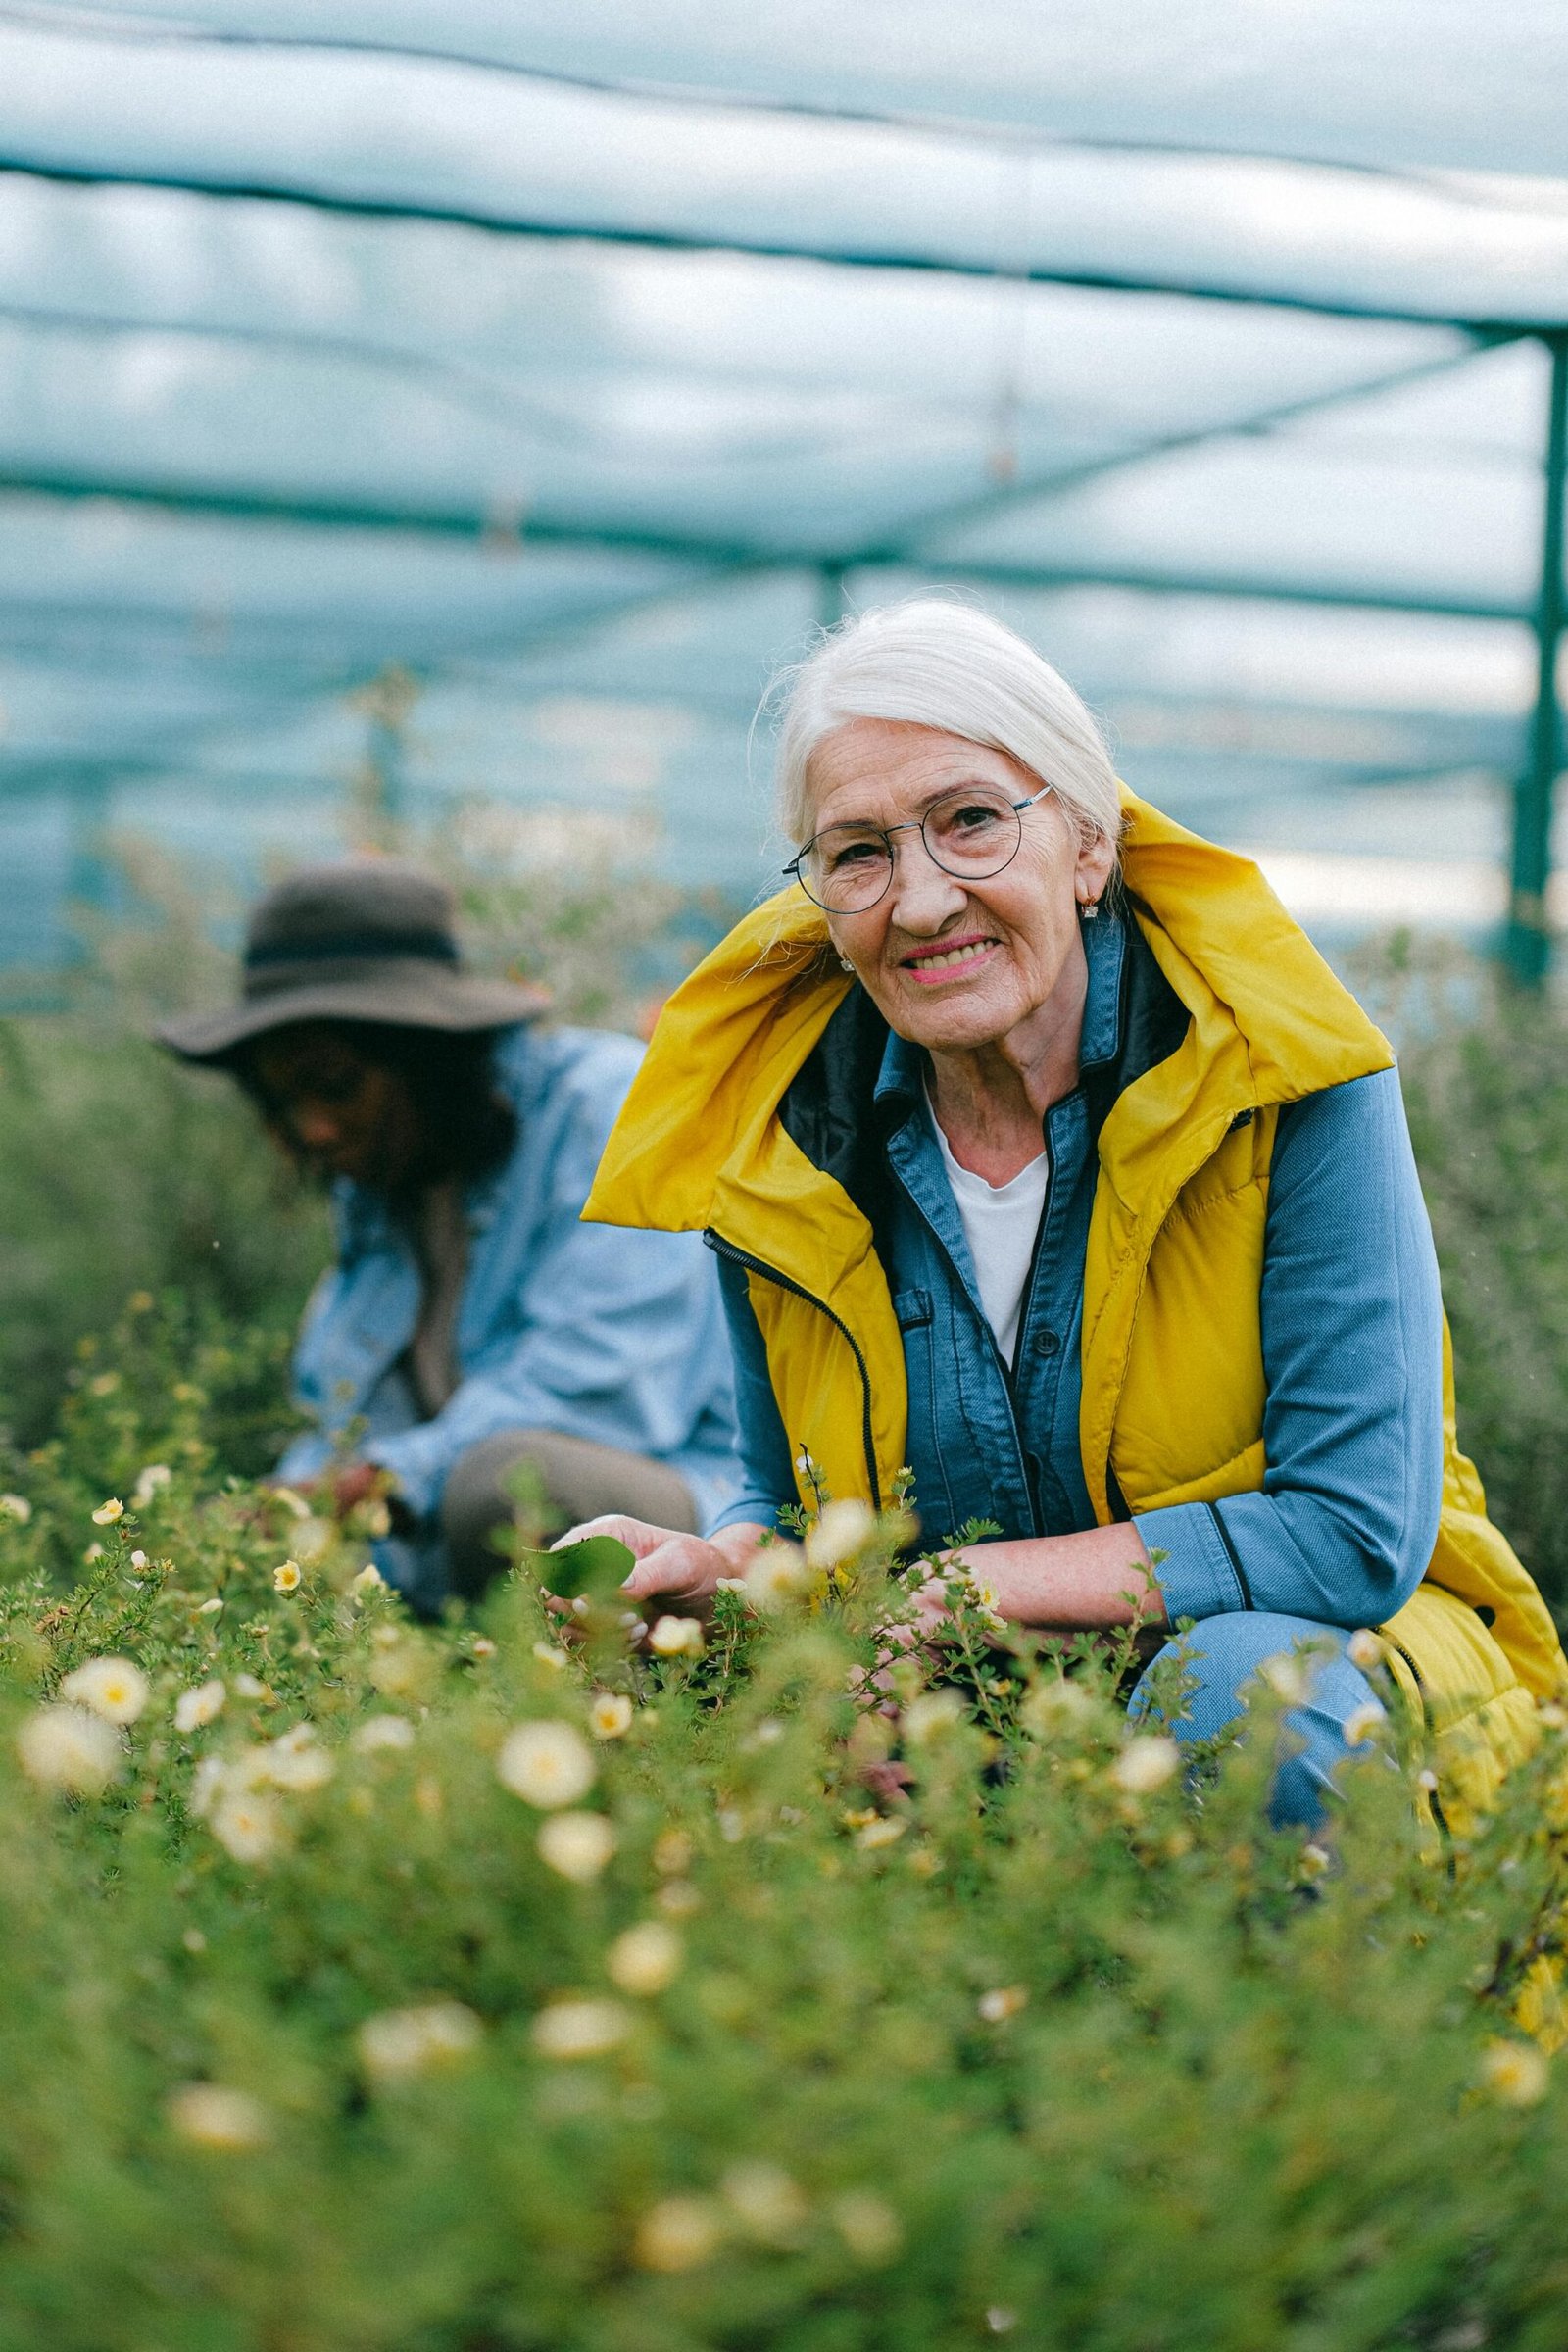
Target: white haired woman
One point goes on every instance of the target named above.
(1089, 1198)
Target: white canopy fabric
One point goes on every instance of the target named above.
(572, 364)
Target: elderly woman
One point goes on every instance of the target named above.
(1042, 1151)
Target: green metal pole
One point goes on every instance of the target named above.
(1528, 944)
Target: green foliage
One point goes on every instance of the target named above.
(441, 1992)
(1484, 1071)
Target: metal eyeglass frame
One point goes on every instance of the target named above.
(911, 824)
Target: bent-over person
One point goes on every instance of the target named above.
(471, 1323)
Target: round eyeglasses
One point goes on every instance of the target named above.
(970, 833)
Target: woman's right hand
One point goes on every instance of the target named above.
(681, 1570)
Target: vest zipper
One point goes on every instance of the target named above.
(755, 1265)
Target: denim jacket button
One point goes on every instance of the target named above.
(1046, 1342)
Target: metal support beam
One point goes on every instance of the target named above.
(1528, 944)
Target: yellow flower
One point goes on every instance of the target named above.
(401, 2043)
(210, 2114)
(1515, 2073)
(676, 1637)
(1145, 1763)
(868, 2227)
(113, 1688)
(843, 1529)
(776, 1575)
(548, 1764)
(645, 1959)
(580, 2027)
(678, 2233)
(68, 1748)
(202, 1705)
(248, 1824)
(577, 1845)
(286, 1578)
(108, 1512)
(610, 1716)
(767, 2202)
(1004, 2002)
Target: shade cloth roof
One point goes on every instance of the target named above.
(576, 361)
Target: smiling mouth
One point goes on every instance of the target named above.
(949, 962)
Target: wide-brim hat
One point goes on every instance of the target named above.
(366, 939)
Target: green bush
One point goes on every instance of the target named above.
(734, 2004)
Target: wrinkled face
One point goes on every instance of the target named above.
(340, 1113)
(956, 964)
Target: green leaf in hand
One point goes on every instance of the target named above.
(597, 1566)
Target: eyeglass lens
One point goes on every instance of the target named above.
(968, 834)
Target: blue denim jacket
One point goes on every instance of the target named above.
(1351, 1325)
(603, 1334)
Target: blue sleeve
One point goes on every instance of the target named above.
(611, 1336)
(1352, 1355)
(767, 1478)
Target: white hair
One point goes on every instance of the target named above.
(943, 664)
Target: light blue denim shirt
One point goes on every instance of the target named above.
(613, 1336)
(1352, 1327)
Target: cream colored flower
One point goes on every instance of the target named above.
(1364, 1649)
(1364, 1723)
(295, 1761)
(930, 1716)
(609, 1715)
(1516, 2074)
(645, 1959)
(369, 1579)
(580, 2027)
(249, 1686)
(248, 1823)
(483, 1647)
(1145, 1763)
(199, 1706)
(1002, 2002)
(842, 1529)
(113, 1688)
(549, 1655)
(577, 1845)
(212, 2115)
(210, 1608)
(1286, 1677)
(548, 1764)
(868, 2227)
(1057, 1707)
(288, 1577)
(379, 1731)
(678, 2233)
(108, 1512)
(885, 1830)
(70, 1748)
(776, 1575)
(17, 1509)
(674, 1853)
(148, 1482)
(313, 1538)
(401, 2043)
(767, 2203)
(676, 1637)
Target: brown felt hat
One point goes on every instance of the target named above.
(366, 939)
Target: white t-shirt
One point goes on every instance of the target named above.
(1000, 1224)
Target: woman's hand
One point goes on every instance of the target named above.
(682, 1570)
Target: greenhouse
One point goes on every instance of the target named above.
(405, 411)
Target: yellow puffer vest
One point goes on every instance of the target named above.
(1175, 1255)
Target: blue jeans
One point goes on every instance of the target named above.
(1225, 1652)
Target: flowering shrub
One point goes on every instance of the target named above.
(453, 1989)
